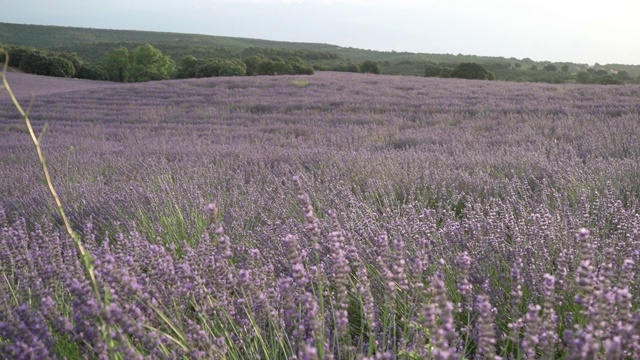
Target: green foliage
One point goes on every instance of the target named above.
(473, 71)
(42, 63)
(60, 67)
(144, 63)
(601, 72)
(606, 80)
(187, 67)
(350, 66)
(207, 68)
(550, 68)
(49, 63)
(252, 63)
(288, 53)
(261, 65)
(73, 57)
(15, 54)
(583, 77)
(148, 63)
(300, 67)
(623, 75)
(232, 68)
(33, 62)
(601, 77)
(266, 67)
(117, 65)
(370, 66)
(433, 70)
(92, 72)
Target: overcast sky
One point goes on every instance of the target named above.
(583, 31)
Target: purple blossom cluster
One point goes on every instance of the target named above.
(355, 217)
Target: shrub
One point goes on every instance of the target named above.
(231, 68)
(433, 70)
(370, 67)
(473, 71)
(92, 72)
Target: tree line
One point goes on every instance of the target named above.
(147, 63)
(547, 73)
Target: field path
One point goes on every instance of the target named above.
(23, 85)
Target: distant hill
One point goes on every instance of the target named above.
(48, 36)
(84, 41)
(91, 44)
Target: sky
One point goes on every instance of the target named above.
(586, 31)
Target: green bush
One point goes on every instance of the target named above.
(92, 72)
(60, 67)
(607, 80)
(207, 69)
(473, 71)
(41, 63)
(432, 70)
(370, 67)
(187, 67)
(232, 68)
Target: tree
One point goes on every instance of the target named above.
(266, 67)
(148, 63)
(432, 70)
(583, 77)
(60, 67)
(300, 67)
(280, 66)
(343, 67)
(208, 68)
(117, 64)
(602, 72)
(565, 68)
(534, 67)
(73, 57)
(16, 54)
(232, 68)
(607, 80)
(623, 75)
(471, 70)
(92, 72)
(352, 67)
(33, 62)
(252, 63)
(187, 67)
(550, 68)
(369, 66)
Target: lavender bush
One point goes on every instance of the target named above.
(354, 217)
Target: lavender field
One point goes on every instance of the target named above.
(337, 215)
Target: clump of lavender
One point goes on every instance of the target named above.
(340, 277)
(313, 224)
(484, 329)
(440, 322)
(465, 289)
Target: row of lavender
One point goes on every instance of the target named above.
(440, 218)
